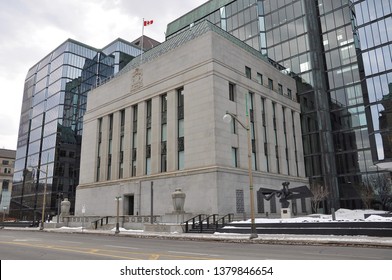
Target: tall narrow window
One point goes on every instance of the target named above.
(252, 129)
(263, 117)
(134, 141)
(181, 142)
(260, 78)
(295, 143)
(121, 154)
(164, 133)
(232, 92)
(148, 136)
(270, 84)
(289, 93)
(234, 161)
(286, 146)
(276, 136)
(99, 150)
(280, 89)
(248, 72)
(110, 148)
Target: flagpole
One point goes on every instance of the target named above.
(141, 57)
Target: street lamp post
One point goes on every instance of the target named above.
(4, 209)
(118, 198)
(59, 196)
(228, 117)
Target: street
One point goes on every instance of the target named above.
(35, 245)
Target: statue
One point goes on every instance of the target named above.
(286, 194)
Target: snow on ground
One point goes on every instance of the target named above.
(342, 215)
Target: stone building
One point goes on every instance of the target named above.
(7, 161)
(157, 125)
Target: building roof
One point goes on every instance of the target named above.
(187, 35)
(195, 15)
(4, 153)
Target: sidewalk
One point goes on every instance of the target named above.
(286, 239)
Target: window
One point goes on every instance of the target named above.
(232, 92)
(99, 149)
(180, 126)
(280, 89)
(264, 128)
(5, 185)
(134, 141)
(6, 162)
(148, 136)
(234, 161)
(248, 72)
(164, 133)
(260, 78)
(270, 84)
(110, 146)
(121, 154)
(252, 129)
(289, 94)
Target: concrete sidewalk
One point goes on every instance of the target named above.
(286, 239)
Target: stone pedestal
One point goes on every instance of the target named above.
(285, 213)
(176, 218)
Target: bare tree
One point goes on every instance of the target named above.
(383, 189)
(320, 193)
(366, 193)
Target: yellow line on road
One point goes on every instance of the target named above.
(110, 253)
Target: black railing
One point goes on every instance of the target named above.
(221, 222)
(207, 223)
(101, 222)
(193, 222)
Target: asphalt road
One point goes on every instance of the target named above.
(35, 245)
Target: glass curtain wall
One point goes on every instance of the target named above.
(340, 52)
(51, 124)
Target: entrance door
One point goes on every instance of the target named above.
(131, 204)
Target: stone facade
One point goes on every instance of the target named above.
(198, 145)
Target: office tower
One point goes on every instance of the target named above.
(50, 131)
(341, 51)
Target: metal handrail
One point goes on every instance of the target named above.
(229, 217)
(101, 222)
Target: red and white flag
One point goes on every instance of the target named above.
(148, 22)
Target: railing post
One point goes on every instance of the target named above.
(186, 226)
(200, 224)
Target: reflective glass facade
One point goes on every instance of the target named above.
(341, 51)
(51, 123)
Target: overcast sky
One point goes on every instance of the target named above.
(31, 29)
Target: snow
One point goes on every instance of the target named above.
(342, 215)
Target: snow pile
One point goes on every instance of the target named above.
(343, 215)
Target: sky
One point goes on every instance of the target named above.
(30, 30)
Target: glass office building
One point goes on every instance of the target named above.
(340, 50)
(50, 130)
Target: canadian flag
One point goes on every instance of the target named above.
(148, 22)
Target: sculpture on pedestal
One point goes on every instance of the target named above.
(285, 194)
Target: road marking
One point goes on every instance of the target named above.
(73, 242)
(153, 257)
(195, 254)
(122, 247)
